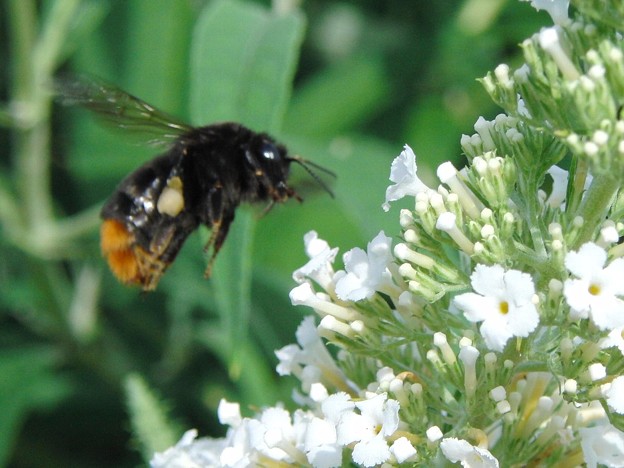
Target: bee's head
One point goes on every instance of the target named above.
(270, 164)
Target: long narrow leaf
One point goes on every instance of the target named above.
(242, 64)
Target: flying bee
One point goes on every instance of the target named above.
(201, 179)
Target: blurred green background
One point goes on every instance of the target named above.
(93, 373)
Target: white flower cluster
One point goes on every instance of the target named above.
(375, 310)
(491, 333)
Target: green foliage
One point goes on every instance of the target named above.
(149, 418)
(242, 62)
(71, 335)
(27, 384)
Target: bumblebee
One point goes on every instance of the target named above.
(202, 178)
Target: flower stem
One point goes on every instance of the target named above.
(594, 206)
(35, 57)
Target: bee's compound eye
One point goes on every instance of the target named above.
(270, 152)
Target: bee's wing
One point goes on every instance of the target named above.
(119, 108)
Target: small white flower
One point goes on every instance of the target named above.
(276, 426)
(447, 222)
(557, 9)
(560, 184)
(522, 109)
(602, 445)
(549, 41)
(365, 271)
(503, 302)
(190, 452)
(271, 433)
(310, 362)
(485, 128)
(321, 303)
(557, 196)
(377, 419)
(594, 293)
(458, 450)
(615, 395)
(403, 174)
(319, 268)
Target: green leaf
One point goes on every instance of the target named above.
(242, 63)
(256, 379)
(27, 383)
(428, 130)
(338, 98)
(161, 78)
(232, 286)
(148, 416)
(362, 167)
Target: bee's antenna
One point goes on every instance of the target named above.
(306, 164)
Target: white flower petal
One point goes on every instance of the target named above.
(615, 338)
(519, 287)
(364, 270)
(390, 418)
(495, 333)
(576, 292)
(559, 186)
(523, 320)
(458, 450)
(371, 452)
(474, 306)
(337, 405)
(403, 174)
(354, 427)
(190, 452)
(602, 445)
(616, 270)
(615, 395)
(557, 9)
(287, 359)
(594, 294)
(229, 413)
(504, 304)
(319, 267)
(588, 261)
(488, 280)
(607, 312)
(319, 432)
(325, 456)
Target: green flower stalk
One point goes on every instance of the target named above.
(491, 333)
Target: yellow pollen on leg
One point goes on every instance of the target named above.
(503, 307)
(171, 200)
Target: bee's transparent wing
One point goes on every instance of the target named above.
(119, 108)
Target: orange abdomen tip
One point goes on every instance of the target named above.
(114, 236)
(116, 243)
(124, 266)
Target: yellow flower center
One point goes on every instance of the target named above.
(503, 307)
(594, 289)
